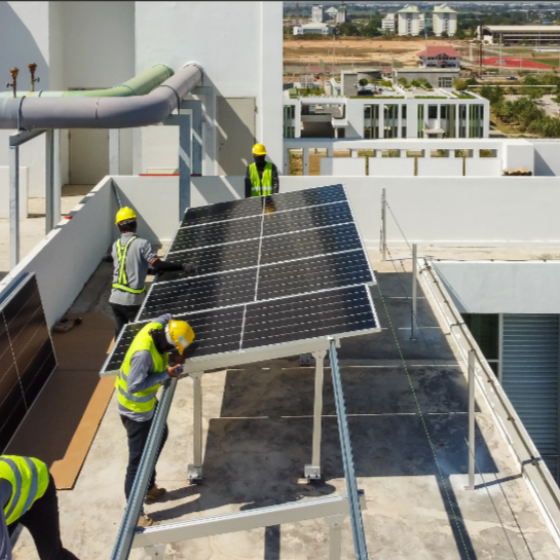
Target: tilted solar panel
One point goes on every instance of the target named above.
(272, 271)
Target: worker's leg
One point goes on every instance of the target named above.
(123, 314)
(137, 433)
(42, 521)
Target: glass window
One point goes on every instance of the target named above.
(443, 111)
(485, 330)
(450, 121)
(371, 118)
(462, 121)
(420, 121)
(476, 118)
(390, 121)
(432, 111)
(445, 82)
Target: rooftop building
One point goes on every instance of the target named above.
(439, 57)
(515, 34)
(444, 20)
(451, 401)
(313, 28)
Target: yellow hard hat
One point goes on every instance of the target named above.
(180, 334)
(259, 150)
(125, 213)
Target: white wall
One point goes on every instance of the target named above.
(391, 167)
(547, 158)
(519, 154)
(502, 287)
(440, 167)
(239, 46)
(5, 194)
(347, 167)
(65, 259)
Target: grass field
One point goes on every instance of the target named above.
(554, 62)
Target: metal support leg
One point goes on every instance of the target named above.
(195, 105)
(471, 419)
(313, 471)
(414, 289)
(14, 206)
(114, 151)
(194, 470)
(57, 180)
(335, 533)
(49, 181)
(184, 164)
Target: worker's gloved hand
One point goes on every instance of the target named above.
(190, 268)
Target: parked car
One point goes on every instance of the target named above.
(511, 78)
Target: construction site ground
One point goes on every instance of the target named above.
(407, 406)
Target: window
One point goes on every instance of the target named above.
(420, 121)
(371, 121)
(485, 330)
(390, 121)
(432, 111)
(445, 82)
(476, 118)
(443, 111)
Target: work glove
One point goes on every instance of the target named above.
(190, 268)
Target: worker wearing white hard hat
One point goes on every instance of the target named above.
(261, 178)
(132, 257)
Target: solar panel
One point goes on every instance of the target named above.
(26, 352)
(273, 271)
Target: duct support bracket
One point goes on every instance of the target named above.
(194, 470)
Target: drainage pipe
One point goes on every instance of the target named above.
(101, 112)
(139, 85)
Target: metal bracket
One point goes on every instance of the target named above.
(312, 472)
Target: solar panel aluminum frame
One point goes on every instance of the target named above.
(261, 353)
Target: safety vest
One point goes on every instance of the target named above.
(122, 284)
(258, 189)
(29, 478)
(142, 401)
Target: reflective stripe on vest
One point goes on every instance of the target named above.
(29, 478)
(143, 401)
(122, 284)
(258, 189)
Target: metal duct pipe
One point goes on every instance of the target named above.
(139, 85)
(100, 112)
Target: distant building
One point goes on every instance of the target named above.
(436, 77)
(317, 14)
(439, 57)
(444, 20)
(332, 12)
(388, 24)
(317, 28)
(409, 20)
(514, 34)
(341, 16)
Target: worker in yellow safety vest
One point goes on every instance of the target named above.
(144, 369)
(261, 178)
(28, 496)
(132, 257)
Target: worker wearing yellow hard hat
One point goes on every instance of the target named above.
(132, 257)
(145, 367)
(261, 178)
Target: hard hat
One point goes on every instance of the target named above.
(180, 334)
(124, 214)
(259, 150)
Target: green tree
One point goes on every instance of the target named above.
(373, 27)
(415, 83)
(530, 81)
(363, 82)
(444, 35)
(403, 82)
(348, 29)
(459, 85)
(460, 34)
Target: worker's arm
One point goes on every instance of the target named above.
(5, 544)
(161, 266)
(275, 181)
(248, 185)
(141, 375)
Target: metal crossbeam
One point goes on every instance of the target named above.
(242, 521)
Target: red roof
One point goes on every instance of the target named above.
(435, 51)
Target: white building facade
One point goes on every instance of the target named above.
(313, 29)
(410, 21)
(388, 23)
(444, 20)
(317, 13)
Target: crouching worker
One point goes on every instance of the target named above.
(144, 369)
(28, 496)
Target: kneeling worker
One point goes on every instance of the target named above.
(28, 496)
(144, 368)
(261, 178)
(132, 257)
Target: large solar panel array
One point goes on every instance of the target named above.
(274, 270)
(26, 353)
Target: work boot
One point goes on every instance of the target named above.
(154, 494)
(146, 521)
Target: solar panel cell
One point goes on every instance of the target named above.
(309, 197)
(217, 234)
(222, 211)
(306, 218)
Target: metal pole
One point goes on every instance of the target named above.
(129, 522)
(383, 224)
(49, 180)
(114, 151)
(471, 419)
(414, 288)
(14, 206)
(194, 470)
(313, 471)
(57, 179)
(360, 546)
(184, 164)
(335, 533)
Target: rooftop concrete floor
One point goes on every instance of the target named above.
(407, 405)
